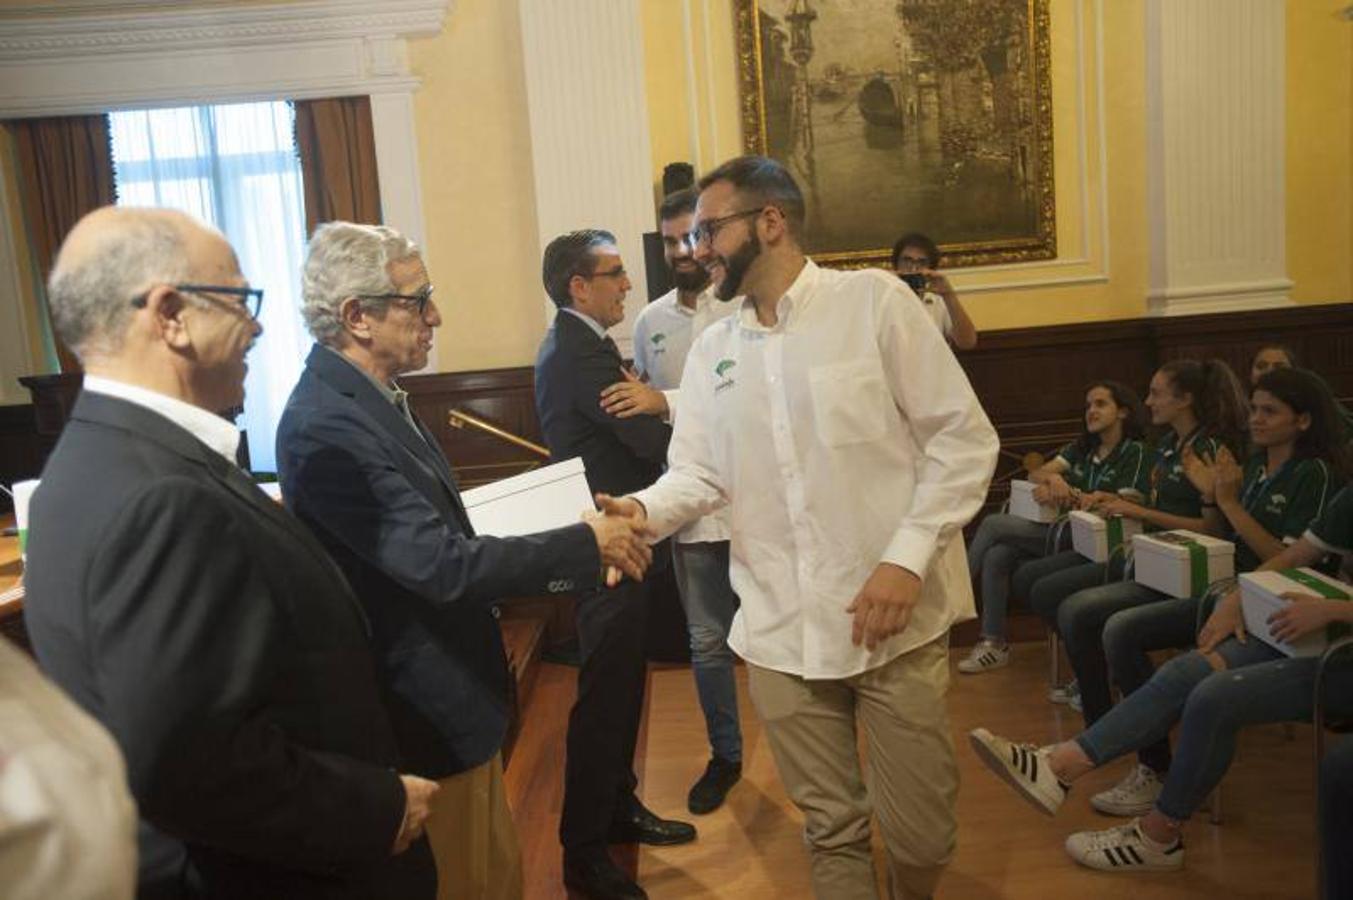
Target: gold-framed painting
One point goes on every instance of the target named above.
(906, 115)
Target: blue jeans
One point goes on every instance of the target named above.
(1080, 621)
(1258, 685)
(1046, 582)
(707, 595)
(1000, 543)
(1130, 635)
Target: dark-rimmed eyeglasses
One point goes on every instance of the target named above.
(705, 232)
(616, 272)
(913, 263)
(250, 299)
(417, 302)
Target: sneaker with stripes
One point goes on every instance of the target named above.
(1124, 849)
(985, 656)
(1133, 796)
(1023, 766)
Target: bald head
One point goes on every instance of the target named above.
(112, 255)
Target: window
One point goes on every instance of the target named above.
(234, 167)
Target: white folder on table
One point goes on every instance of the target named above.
(538, 500)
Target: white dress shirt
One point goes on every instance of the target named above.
(938, 311)
(842, 437)
(209, 428)
(663, 335)
(67, 821)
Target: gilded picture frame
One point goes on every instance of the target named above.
(906, 115)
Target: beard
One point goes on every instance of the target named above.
(735, 268)
(695, 279)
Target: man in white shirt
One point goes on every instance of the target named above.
(663, 335)
(834, 423)
(915, 258)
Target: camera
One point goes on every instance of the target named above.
(916, 281)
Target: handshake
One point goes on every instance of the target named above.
(621, 529)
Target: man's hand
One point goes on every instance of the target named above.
(418, 794)
(936, 282)
(622, 542)
(632, 397)
(883, 606)
(1303, 614)
(1226, 621)
(625, 507)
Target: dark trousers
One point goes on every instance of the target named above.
(1336, 819)
(603, 727)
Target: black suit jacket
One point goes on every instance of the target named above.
(215, 639)
(382, 499)
(572, 367)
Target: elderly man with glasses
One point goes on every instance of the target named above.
(359, 467)
(199, 623)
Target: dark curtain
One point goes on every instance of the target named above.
(65, 171)
(337, 148)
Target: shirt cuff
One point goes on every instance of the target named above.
(671, 396)
(912, 549)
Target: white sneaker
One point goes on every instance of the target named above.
(1135, 795)
(1123, 849)
(1069, 693)
(1024, 766)
(986, 655)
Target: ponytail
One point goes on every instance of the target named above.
(1219, 402)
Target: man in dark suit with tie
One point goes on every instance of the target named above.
(586, 279)
(191, 615)
(370, 480)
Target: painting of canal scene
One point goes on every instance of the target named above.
(906, 115)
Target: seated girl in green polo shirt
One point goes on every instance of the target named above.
(1202, 408)
(1107, 457)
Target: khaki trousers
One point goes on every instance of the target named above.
(913, 777)
(473, 838)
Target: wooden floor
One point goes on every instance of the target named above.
(752, 848)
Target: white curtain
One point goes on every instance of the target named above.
(236, 168)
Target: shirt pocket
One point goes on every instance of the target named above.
(850, 402)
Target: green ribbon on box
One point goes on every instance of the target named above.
(1197, 559)
(1323, 589)
(1113, 532)
(23, 541)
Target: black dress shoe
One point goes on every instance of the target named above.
(709, 792)
(641, 826)
(596, 877)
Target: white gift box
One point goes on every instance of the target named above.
(1023, 504)
(1095, 537)
(538, 500)
(1181, 563)
(1261, 596)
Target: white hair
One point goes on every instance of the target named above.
(346, 260)
(91, 295)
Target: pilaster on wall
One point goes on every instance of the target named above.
(589, 128)
(1216, 86)
(139, 54)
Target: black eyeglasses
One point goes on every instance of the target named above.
(417, 302)
(706, 231)
(250, 299)
(617, 272)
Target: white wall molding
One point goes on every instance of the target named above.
(56, 62)
(1216, 169)
(590, 145)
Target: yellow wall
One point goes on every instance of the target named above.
(1319, 151)
(474, 150)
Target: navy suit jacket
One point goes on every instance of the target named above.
(212, 635)
(572, 367)
(383, 501)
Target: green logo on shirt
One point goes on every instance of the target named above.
(658, 338)
(723, 366)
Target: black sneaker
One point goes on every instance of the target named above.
(709, 792)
